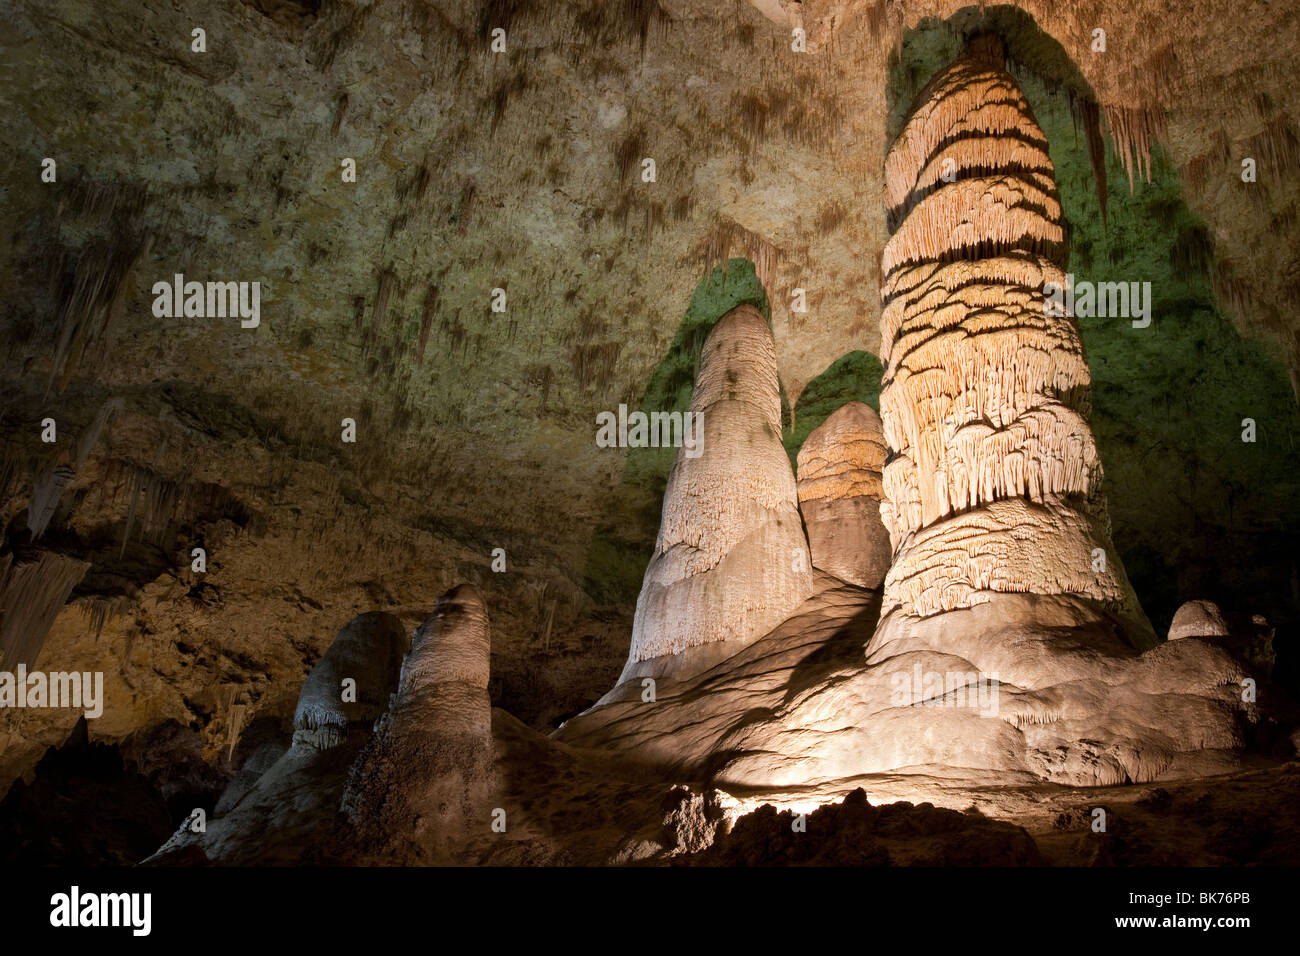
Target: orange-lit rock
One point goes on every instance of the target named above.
(839, 495)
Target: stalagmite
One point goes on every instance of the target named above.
(993, 482)
(840, 492)
(423, 781)
(731, 561)
(350, 684)
(1198, 619)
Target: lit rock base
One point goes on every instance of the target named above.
(1021, 689)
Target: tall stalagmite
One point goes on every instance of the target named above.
(422, 783)
(993, 483)
(731, 561)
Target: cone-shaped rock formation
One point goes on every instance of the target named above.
(422, 782)
(731, 561)
(840, 492)
(1009, 647)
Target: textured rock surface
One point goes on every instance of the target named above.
(1029, 688)
(993, 484)
(854, 833)
(840, 492)
(1198, 619)
(423, 781)
(262, 760)
(731, 561)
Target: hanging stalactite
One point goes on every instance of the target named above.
(31, 595)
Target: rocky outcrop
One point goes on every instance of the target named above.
(350, 684)
(1198, 619)
(1026, 689)
(840, 493)
(731, 561)
(277, 805)
(993, 484)
(1010, 646)
(854, 833)
(422, 783)
(263, 759)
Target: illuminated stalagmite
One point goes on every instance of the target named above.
(839, 495)
(993, 483)
(731, 561)
(422, 781)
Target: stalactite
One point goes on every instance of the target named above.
(100, 609)
(91, 301)
(593, 365)
(340, 110)
(728, 237)
(1232, 291)
(87, 440)
(427, 313)
(465, 210)
(236, 714)
(47, 489)
(1134, 131)
(48, 485)
(1087, 113)
(89, 200)
(1277, 146)
(31, 595)
(158, 503)
(153, 499)
(12, 466)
